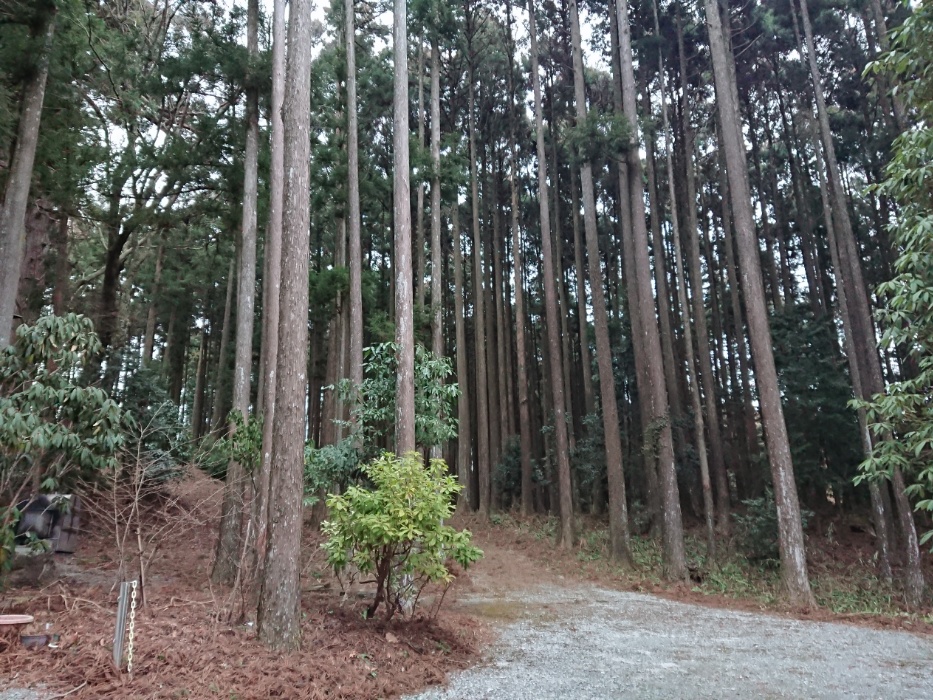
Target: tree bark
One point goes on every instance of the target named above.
(653, 396)
(483, 466)
(272, 280)
(562, 456)
(236, 488)
(793, 556)
(278, 620)
(705, 368)
(464, 443)
(404, 312)
(16, 195)
(619, 536)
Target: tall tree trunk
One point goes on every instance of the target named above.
(790, 530)
(278, 620)
(589, 400)
(483, 466)
(16, 195)
(437, 264)
(197, 407)
(562, 455)
(236, 487)
(696, 403)
(464, 443)
(419, 220)
(218, 414)
(654, 396)
(619, 536)
(404, 312)
(863, 330)
(705, 368)
(518, 266)
(272, 280)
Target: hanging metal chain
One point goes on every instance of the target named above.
(129, 646)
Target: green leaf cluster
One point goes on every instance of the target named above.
(53, 429)
(902, 417)
(394, 531)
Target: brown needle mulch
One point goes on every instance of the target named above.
(183, 650)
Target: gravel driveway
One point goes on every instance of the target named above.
(580, 642)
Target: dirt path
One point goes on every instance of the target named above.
(566, 639)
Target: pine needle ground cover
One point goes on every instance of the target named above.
(184, 650)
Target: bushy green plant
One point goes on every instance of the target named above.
(394, 531)
(327, 467)
(373, 413)
(758, 527)
(54, 430)
(166, 436)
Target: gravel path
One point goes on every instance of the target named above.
(582, 642)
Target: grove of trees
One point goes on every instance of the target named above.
(677, 254)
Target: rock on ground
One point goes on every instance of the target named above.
(583, 642)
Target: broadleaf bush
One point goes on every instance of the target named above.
(394, 531)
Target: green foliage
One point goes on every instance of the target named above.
(588, 458)
(823, 430)
(242, 444)
(902, 417)
(163, 435)
(53, 429)
(394, 531)
(374, 400)
(602, 135)
(758, 527)
(507, 473)
(327, 467)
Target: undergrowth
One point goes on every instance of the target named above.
(851, 590)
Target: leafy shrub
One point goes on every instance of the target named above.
(374, 400)
(395, 532)
(166, 438)
(327, 467)
(758, 527)
(243, 445)
(54, 430)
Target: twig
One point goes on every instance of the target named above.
(73, 690)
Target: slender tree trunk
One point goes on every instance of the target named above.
(236, 487)
(197, 407)
(418, 241)
(518, 266)
(272, 280)
(589, 400)
(464, 443)
(705, 368)
(793, 556)
(16, 195)
(562, 455)
(404, 312)
(278, 620)
(696, 403)
(218, 414)
(437, 264)
(619, 536)
(654, 396)
(479, 313)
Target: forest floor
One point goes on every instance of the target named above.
(540, 622)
